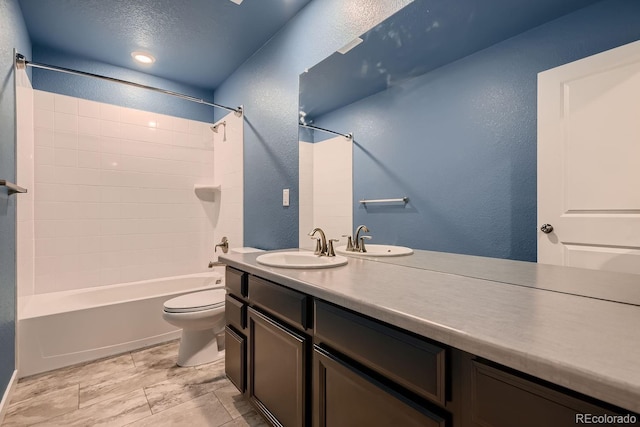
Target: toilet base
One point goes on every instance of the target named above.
(198, 347)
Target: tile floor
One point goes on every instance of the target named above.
(140, 388)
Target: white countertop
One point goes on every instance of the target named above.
(537, 326)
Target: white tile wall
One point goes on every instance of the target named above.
(25, 178)
(305, 188)
(227, 215)
(325, 200)
(114, 193)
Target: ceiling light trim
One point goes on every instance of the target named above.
(144, 58)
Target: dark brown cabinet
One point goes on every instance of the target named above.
(284, 303)
(235, 357)
(345, 396)
(277, 370)
(409, 361)
(502, 399)
(302, 361)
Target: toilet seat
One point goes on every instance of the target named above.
(196, 301)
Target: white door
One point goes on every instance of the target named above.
(589, 162)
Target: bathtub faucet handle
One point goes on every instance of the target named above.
(224, 244)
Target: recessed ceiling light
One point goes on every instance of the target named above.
(143, 57)
(237, 1)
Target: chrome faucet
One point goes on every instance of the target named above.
(358, 242)
(321, 242)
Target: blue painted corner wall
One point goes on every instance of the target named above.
(460, 141)
(13, 34)
(115, 93)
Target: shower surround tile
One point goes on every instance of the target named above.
(25, 153)
(140, 388)
(89, 145)
(326, 196)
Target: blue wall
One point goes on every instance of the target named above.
(114, 93)
(460, 141)
(267, 85)
(13, 34)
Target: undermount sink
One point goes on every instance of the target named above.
(377, 251)
(300, 260)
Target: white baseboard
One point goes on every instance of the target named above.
(6, 399)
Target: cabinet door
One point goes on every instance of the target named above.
(343, 396)
(277, 370)
(235, 358)
(501, 399)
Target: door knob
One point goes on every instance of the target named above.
(546, 228)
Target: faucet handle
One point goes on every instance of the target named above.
(362, 239)
(224, 244)
(349, 242)
(330, 251)
(318, 250)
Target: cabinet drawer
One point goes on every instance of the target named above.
(236, 282)
(411, 362)
(345, 396)
(501, 399)
(289, 305)
(235, 312)
(235, 358)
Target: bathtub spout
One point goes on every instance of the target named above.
(216, 264)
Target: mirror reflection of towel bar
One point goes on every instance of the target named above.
(399, 200)
(12, 187)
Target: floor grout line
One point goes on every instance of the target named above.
(154, 362)
(78, 406)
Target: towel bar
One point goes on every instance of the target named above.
(399, 200)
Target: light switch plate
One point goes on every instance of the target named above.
(285, 197)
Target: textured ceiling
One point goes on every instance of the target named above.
(197, 42)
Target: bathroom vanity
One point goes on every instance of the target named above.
(376, 343)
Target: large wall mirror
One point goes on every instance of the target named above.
(441, 101)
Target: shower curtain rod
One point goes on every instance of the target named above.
(20, 59)
(349, 135)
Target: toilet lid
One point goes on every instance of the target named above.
(195, 301)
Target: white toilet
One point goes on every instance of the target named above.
(201, 317)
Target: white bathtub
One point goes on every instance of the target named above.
(64, 328)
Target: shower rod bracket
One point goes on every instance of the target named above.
(21, 60)
(348, 136)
